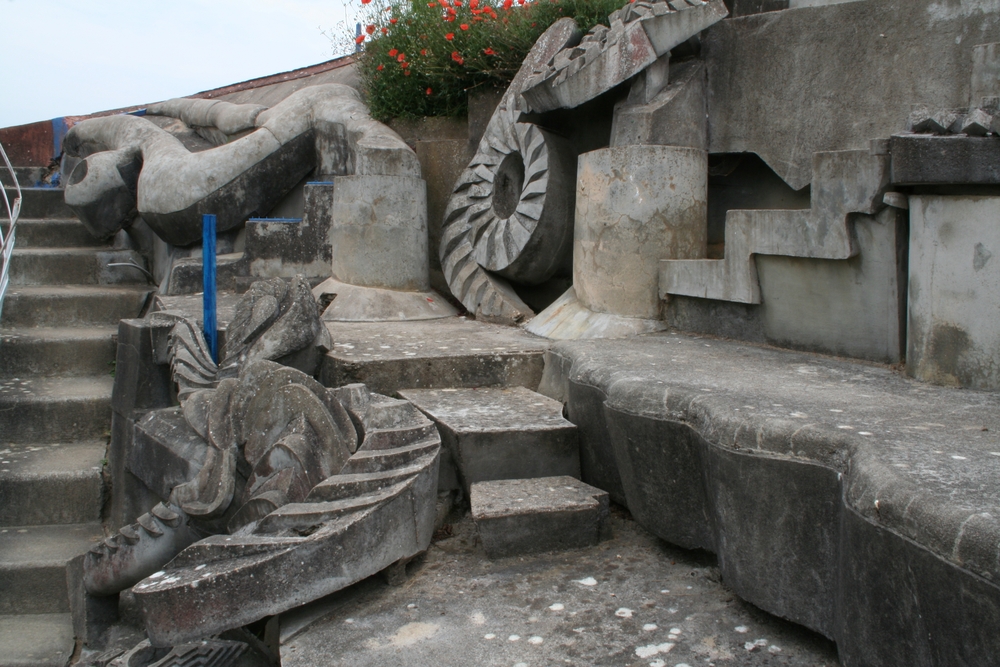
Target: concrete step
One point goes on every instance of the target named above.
(71, 305)
(42, 203)
(36, 640)
(33, 565)
(28, 177)
(51, 484)
(48, 410)
(54, 233)
(63, 351)
(74, 266)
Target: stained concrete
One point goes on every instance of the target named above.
(501, 433)
(632, 601)
(519, 516)
(828, 78)
(453, 352)
(819, 482)
(954, 303)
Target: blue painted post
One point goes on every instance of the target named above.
(208, 284)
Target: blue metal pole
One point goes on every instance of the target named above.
(208, 284)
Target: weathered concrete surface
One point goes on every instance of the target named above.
(839, 495)
(843, 183)
(919, 159)
(458, 609)
(635, 206)
(287, 248)
(829, 77)
(378, 232)
(36, 640)
(509, 433)
(854, 307)
(567, 318)
(353, 303)
(46, 484)
(985, 74)
(954, 302)
(519, 516)
(676, 116)
(453, 352)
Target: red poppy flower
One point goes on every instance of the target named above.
(406, 72)
(401, 58)
(404, 65)
(385, 31)
(370, 29)
(393, 21)
(464, 26)
(380, 67)
(458, 3)
(457, 58)
(450, 36)
(507, 4)
(489, 51)
(359, 39)
(365, 2)
(451, 12)
(429, 91)
(473, 4)
(393, 52)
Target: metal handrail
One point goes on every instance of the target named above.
(7, 240)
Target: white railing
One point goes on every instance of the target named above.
(7, 237)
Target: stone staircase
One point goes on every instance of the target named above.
(57, 349)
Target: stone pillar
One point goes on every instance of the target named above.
(953, 336)
(636, 205)
(378, 232)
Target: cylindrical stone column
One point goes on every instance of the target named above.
(378, 232)
(636, 205)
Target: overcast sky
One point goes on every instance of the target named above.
(73, 57)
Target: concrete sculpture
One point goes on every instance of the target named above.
(294, 471)
(128, 164)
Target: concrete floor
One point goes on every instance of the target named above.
(631, 601)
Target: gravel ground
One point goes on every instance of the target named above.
(631, 601)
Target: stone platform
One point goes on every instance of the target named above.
(633, 601)
(843, 496)
(451, 352)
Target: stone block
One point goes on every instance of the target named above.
(519, 516)
(954, 298)
(93, 615)
(378, 232)
(454, 352)
(166, 451)
(142, 382)
(501, 433)
(636, 205)
(287, 247)
(676, 116)
(950, 160)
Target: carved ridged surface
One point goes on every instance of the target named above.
(379, 510)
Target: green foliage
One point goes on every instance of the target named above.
(421, 58)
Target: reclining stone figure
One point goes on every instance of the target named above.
(309, 489)
(128, 164)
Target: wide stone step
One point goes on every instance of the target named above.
(51, 484)
(48, 410)
(36, 640)
(41, 203)
(54, 233)
(33, 565)
(74, 266)
(71, 305)
(59, 351)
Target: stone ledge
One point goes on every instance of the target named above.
(840, 495)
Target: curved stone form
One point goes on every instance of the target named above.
(378, 510)
(510, 217)
(129, 164)
(810, 478)
(640, 33)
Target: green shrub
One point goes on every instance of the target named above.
(421, 58)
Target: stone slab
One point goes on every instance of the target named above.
(38, 410)
(56, 483)
(954, 291)
(459, 608)
(166, 452)
(494, 433)
(809, 476)
(453, 352)
(519, 516)
(36, 640)
(923, 159)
